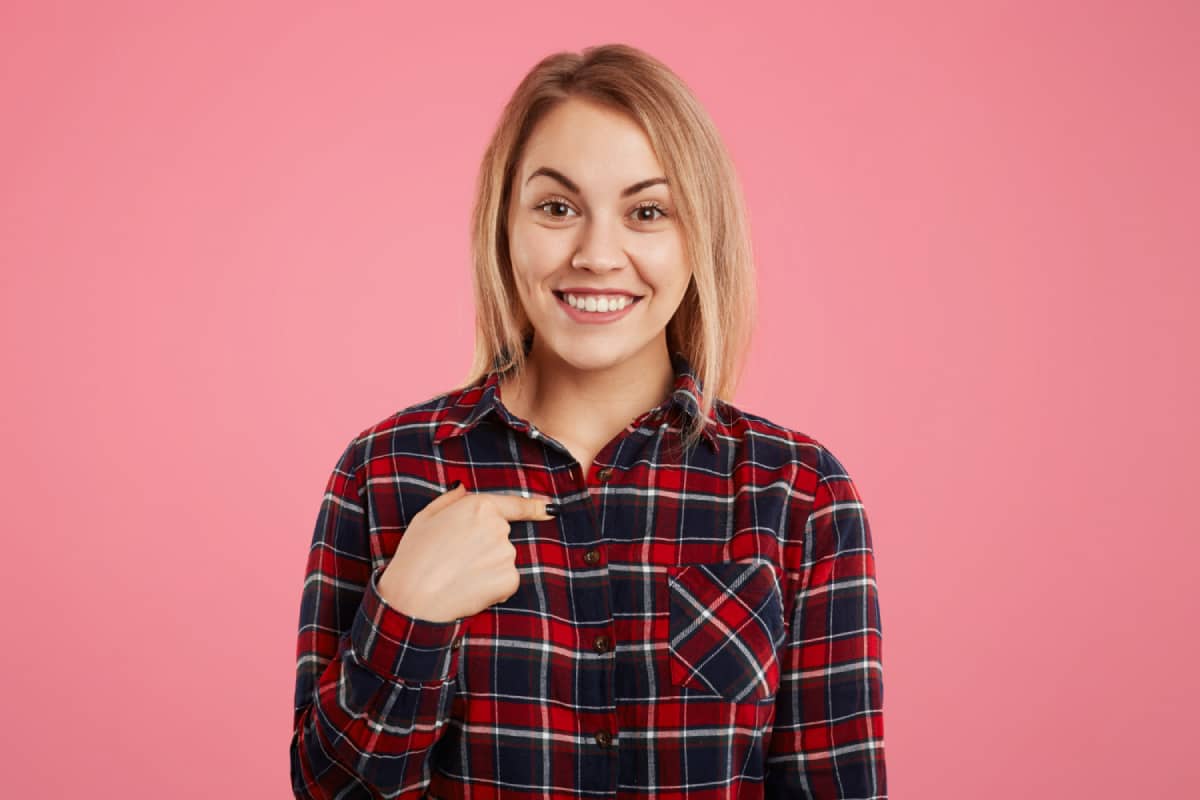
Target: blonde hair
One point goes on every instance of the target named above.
(713, 325)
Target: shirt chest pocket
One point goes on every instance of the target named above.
(726, 626)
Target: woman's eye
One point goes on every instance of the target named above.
(553, 204)
(650, 207)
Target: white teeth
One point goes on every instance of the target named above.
(593, 302)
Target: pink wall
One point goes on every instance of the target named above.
(227, 231)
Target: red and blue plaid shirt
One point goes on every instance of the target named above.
(702, 624)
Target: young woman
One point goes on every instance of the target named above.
(584, 572)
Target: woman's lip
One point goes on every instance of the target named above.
(562, 292)
(593, 317)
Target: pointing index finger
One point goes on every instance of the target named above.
(514, 506)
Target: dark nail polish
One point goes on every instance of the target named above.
(553, 508)
(454, 486)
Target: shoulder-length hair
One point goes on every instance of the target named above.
(713, 325)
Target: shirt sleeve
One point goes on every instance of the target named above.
(373, 685)
(827, 740)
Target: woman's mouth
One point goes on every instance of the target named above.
(577, 314)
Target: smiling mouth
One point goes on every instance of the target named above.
(562, 296)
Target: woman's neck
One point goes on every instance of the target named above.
(587, 406)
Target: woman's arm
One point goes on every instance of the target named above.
(827, 741)
(373, 685)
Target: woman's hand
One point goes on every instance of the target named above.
(455, 558)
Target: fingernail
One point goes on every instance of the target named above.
(553, 509)
(454, 486)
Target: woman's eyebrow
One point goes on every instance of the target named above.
(567, 182)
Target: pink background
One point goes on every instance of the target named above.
(233, 235)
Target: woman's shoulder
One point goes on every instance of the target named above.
(742, 424)
(769, 440)
(414, 427)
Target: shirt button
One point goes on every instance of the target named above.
(604, 474)
(457, 643)
(591, 556)
(601, 644)
(603, 738)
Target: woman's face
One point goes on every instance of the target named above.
(590, 210)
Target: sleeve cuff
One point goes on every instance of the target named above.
(398, 646)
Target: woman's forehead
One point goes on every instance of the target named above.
(591, 146)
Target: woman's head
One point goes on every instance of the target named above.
(589, 210)
(568, 197)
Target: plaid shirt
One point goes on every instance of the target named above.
(702, 624)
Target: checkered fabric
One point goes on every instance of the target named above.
(699, 623)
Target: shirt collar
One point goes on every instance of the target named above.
(469, 405)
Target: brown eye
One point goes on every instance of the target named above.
(556, 204)
(652, 207)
